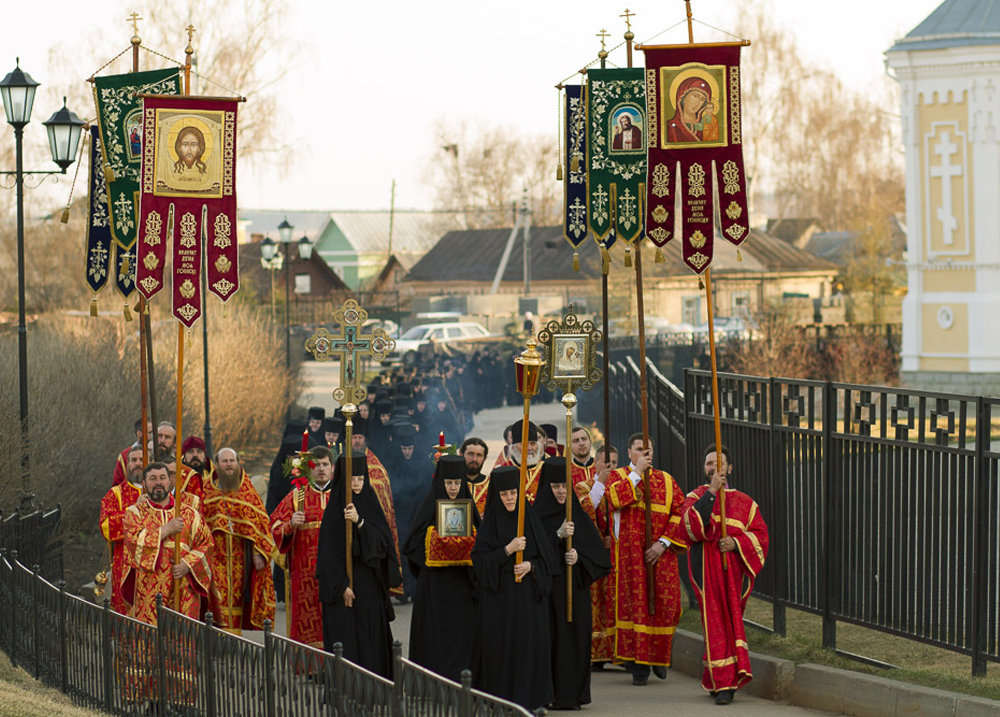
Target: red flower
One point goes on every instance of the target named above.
(296, 472)
(311, 465)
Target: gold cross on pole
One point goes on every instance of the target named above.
(134, 19)
(628, 16)
(603, 34)
(190, 46)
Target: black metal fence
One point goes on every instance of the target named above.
(883, 503)
(109, 662)
(34, 536)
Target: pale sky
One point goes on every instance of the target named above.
(374, 77)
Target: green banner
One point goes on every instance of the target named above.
(616, 152)
(119, 118)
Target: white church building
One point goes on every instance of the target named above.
(948, 69)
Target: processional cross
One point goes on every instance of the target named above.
(349, 345)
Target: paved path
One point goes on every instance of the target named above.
(612, 689)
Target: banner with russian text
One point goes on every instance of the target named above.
(119, 117)
(695, 140)
(188, 198)
(616, 153)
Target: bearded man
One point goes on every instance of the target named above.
(121, 471)
(242, 586)
(194, 457)
(535, 453)
(474, 450)
(116, 501)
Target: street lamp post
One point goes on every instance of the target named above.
(64, 129)
(268, 250)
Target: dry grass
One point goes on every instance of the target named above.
(917, 663)
(23, 696)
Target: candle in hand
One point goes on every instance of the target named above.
(305, 440)
(441, 439)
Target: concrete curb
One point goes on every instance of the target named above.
(835, 690)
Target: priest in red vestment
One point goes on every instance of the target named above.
(536, 453)
(116, 501)
(722, 594)
(641, 638)
(295, 526)
(242, 596)
(121, 471)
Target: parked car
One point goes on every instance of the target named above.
(728, 327)
(447, 334)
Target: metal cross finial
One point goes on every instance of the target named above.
(134, 19)
(628, 16)
(603, 34)
(190, 47)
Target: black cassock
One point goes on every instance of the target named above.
(570, 640)
(512, 647)
(362, 629)
(444, 606)
(409, 483)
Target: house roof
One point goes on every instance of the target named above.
(474, 255)
(790, 230)
(955, 23)
(250, 264)
(308, 223)
(368, 232)
(839, 247)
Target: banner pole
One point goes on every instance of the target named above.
(349, 409)
(569, 400)
(143, 324)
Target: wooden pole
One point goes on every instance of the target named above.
(605, 270)
(716, 408)
(569, 400)
(143, 322)
(349, 409)
(179, 489)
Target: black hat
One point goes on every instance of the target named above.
(518, 428)
(505, 478)
(451, 467)
(407, 436)
(359, 463)
(551, 431)
(295, 427)
(382, 406)
(554, 470)
(317, 412)
(360, 425)
(381, 393)
(403, 389)
(333, 425)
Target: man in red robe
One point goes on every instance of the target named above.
(242, 595)
(121, 471)
(116, 501)
(591, 493)
(641, 638)
(474, 450)
(295, 526)
(722, 594)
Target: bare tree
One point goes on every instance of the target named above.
(480, 173)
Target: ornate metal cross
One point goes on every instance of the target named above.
(603, 34)
(134, 19)
(628, 19)
(349, 345)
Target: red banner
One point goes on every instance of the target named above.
(189, 197)
(696, 137)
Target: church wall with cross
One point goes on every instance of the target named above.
(948, 69)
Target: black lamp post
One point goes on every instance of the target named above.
(268, 248)
(64, 129)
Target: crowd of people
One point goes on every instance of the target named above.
(531, 603)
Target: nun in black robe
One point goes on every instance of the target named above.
(444, 608)
(512, 652)
(278, 486)
(363, 628)
(570, 640)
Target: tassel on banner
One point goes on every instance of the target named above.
(64, 219)
(658, 258)
(145, 308)
(739, 257)
(605, 260)
(576, 261)
(126, 311)
(628, 257)
(225, 310)
(138, 308)
(701, 284)
(559, 172)
(93, 305)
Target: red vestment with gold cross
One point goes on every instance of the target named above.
(602, 592)
(121, 468)
(722, 594)
(242, 597)
(640, 637)
(298, 545)
(115, 502)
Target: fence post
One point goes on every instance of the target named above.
(106, 657)
(338, 678)
(161, 656)
(208, 655)
(63, 647)
(13, 608)
(269, 701)
(397, 678)
(465, 701)
(779, 495)
(37, 657)
(829, 505)
(980, 550)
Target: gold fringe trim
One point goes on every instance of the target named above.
(605, 260)
(576, 261)
(628, 257)
(559, 172)
(93, 305)
(658, 258)
(126, 311)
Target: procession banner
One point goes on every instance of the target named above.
(188, 198)
(616, 153)
(119, 118)
(695, 137)
(98, 223)
(125, 271)
(575, 192)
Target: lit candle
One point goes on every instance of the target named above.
(441, 439)
(305, 440)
